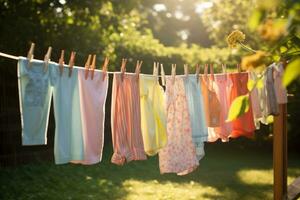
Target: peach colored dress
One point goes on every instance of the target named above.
(179, 155)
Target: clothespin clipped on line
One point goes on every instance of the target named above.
(61, 62)
(211, 68)
(93, 67)
(155, 69)
(138, 69)
(30, 54)
(47, 59)
(173, 73)
(205, 69)
(186, 70)
(123, 68)
(163, 75)
(105, 67)
(224, 70)
(87, 67)
(197, 72)
(71, 62)
(238, 66)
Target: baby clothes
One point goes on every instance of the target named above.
(222, 87)
(280, 90)
(153, 115)
(197, 113)
(126, 120)
(259, 101)
(244, 124)
(179, 155)
(92, 95)
(68, 141)
(273, 105)
(35, 100)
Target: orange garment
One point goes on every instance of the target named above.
(212, 105)
(126, 120)
(243, 125)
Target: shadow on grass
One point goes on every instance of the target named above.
(219, 170)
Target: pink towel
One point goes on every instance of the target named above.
(92, 106)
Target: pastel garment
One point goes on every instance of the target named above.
(35, 100)
(280, 90)
(68, 140)
(272, 99)
(92, 95)
(179, 155)
(197, 114)
(153, 114)
(222, 87)
(211, 102)
(259, 100)
(126, 120)
(243, 125)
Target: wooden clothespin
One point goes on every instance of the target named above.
(224, 68)
(205, 69)
(123, 68)
(87, 67)
(186, 70)
(93, 66)
(173, 72)
(47, 59)
(30, 54)
(104, 67)
(197, 72)
(61, 62)
(238, 66)
(71, 62)
(138, 69)
(211, 71)
(155, 69)
(163, 75)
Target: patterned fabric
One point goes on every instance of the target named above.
(153, 115)
(272, 99)
(179, 155)
(126, 120)
(280, 90)
(35, 99)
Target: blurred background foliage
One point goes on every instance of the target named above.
(177, 31)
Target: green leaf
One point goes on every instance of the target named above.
(292, 71)
(239, 106)
(254, 20)
(260, 84)
(250, 84)
(283, 49)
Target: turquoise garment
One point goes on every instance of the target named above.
(68, 141)
(197, 115)
(35, 100)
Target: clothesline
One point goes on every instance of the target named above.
(109, 72)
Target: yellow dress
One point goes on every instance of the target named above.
(153, 114)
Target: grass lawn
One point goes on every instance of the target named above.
(225, 173)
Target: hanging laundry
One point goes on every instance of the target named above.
(272, 99)
(179, 155)
(126, 120)
(153, 115)
(197, 114)
(280, 90)
(243, 125)
(35, 100)
(222, 87)
(68, 141)
(259, 100)
(92, 93)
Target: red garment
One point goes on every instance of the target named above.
(244, 125)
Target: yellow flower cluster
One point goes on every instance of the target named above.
(254, 61)
(272, 31)
(234, 37)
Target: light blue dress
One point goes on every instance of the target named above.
(35, 100)
(196, 111)
(68, 141)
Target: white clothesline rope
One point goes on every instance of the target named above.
(108, 72)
